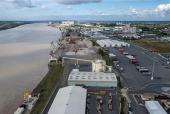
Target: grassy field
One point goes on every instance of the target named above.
(158, 46)
(46, 87)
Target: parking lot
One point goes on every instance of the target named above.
(135, 80)
(132, 77)
(102, 101)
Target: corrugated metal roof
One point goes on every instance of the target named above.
(113, 43)
(92, 76)
(69, 100)
(154, 107)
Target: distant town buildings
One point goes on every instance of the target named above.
(68, 23)
(128, 29)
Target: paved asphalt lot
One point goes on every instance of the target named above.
(136, 108)
(94, 92)
(135, 81)
(105, 109)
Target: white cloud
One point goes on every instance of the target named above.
(163, 9)
(43, 6)
(68, 7)
(75, 2)
(133, 11)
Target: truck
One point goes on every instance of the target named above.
(133, 61)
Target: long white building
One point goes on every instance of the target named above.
(92, 79)
(111, 43)
(69, 100)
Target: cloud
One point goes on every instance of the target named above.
(43, 6)
(19, 3)
(133, 11)
(163, 9)
(68, 7)
(76, 2)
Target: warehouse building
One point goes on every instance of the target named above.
(92, 79)
(111, 43)
(154, 107)
(69, 101)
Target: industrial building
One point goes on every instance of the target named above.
(128, 29)
(92, 79)
(111, 43)
(69, 101)
(154, 107)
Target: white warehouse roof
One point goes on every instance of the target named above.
(111, 43)
(69, 100)
(99, 79)
(154, 107)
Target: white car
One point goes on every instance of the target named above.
(125, 53)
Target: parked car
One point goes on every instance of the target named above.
(147, 73)
(125, 53)
(143, 70)
(139, 67)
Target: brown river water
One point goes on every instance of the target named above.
(23, 61)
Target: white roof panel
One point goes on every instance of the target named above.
(92, 76)
(113, 43)
(69, 101)
(154, 107)
(100, 43)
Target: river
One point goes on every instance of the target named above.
(23, 61)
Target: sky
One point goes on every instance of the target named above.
(112, 10)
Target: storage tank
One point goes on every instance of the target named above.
(109, 68)
(98, 66)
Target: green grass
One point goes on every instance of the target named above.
(120, 84)
(124, 109)
(158, 46)
(46, 87)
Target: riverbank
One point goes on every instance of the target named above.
(46, 87)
